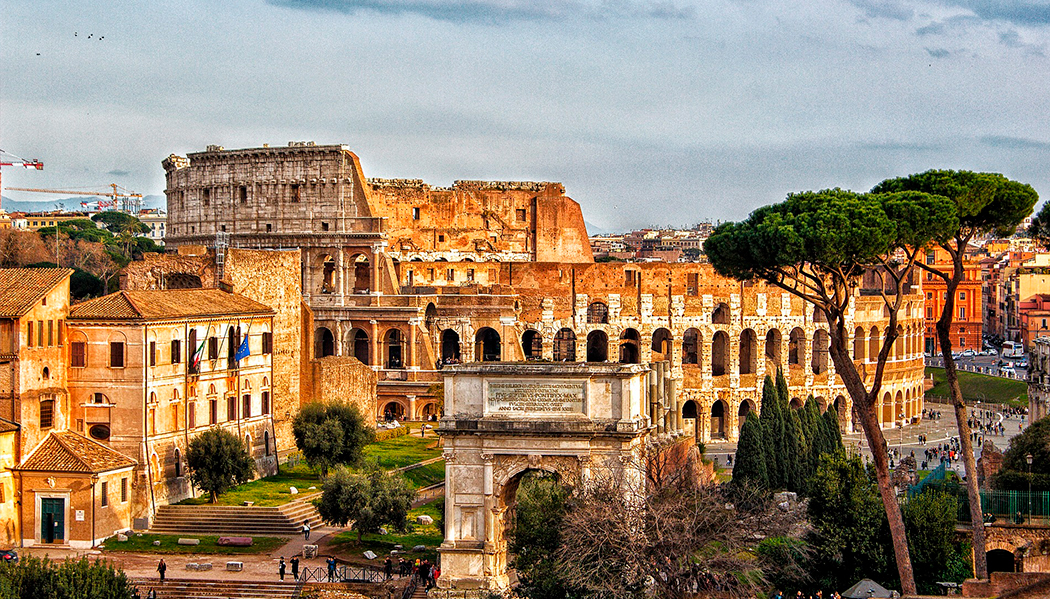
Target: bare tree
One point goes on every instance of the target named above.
(19, 248)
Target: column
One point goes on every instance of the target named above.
(413, 324)
(377, 360)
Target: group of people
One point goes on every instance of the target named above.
(295, 567)
(422, 570)
(801, 595)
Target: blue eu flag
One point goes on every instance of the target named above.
(242, 351)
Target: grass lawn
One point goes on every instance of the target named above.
(981, 387)
(267, 492)
(424, 476)
(169, 544)
(429, 535)
(402, 451)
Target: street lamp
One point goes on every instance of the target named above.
(1028, 458)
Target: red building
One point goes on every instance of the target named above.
(967, 322)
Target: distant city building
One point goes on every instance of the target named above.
(967, 318)
(157, 220)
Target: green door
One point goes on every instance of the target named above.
(52, 520)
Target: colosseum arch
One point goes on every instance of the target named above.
(487, 345)
(393, 410)
(720, 354)
(691, 343)
(720, 314)
(858, 344)
(874, 344)
(324, 342)
(719, 419)
(328, 281)
(597, 346)
(362, 273)
(532, 344)
(748, 352)
(450, 349)
(773, 342)
(395, 345)
(662, 344)
(630, 347)
(898, 344)
(357, 340)
(597, 313)
(746, 407)
(819, 359)
(796, 348)
(565, 346)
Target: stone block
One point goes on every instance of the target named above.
(235, 541)
(156, 543)
(369, 555)
(192, 566)
(424, 519)
(234, 566)
(185, 541)
(419, 548)
(309, 551)
(293, 490)
(204, 566)
(122, 537)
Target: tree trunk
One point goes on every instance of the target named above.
(864, 402)
(213, 498)
(980, 556)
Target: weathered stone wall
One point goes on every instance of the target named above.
(345, 380)
(171, 271)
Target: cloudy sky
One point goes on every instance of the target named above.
(649, 111)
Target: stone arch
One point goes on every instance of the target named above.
(748, 352)
(887, 408)
(818, 315)
(858, 344)
(450, 350)
(819, 358)
(359, 345)
(177, 457)
(822, 404)
(898, 344)
(393, 410)
(394, 346)
(874, 344)
(328, 272)
(795, 403)
(630, 351)
(719, 418)
(840, 411)
(487, 345)
(720, 314)
(362, 273)
(597, 313)
(720, 354)
(1001, 560)
(796, 347)
(428, 411)
(692, 341)
(430, 316)
(746, 407)
(565, 346)
(662, 345)
(773, 345)
(898, 406)
(597, 346)
(532, 344)
(324, 342)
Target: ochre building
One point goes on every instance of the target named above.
(407, 278)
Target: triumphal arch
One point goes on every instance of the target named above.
(580, 421)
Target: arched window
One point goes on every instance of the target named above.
(721, 314)
(266, 442)
(691, 342)
(796, 347)
(748, 352)
(487, 345)
(359, 345)
(362, 274)
(565, 346)
(597, 346)
(718, 419)
(661, 344)
(858, 343)
(449, 347)
(327, 275)
(532, 345)
(819, 360)
(395, 348)
(720, 354)
(178, 463)
(773, 343)
(597, 313)
(874, 344)
(629, 347)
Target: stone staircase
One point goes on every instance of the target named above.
(286, 520)
(175, 588)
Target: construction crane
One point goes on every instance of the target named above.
(129, 201)
(16, 161)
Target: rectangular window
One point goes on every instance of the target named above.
(78, 354)
(222, 228)
(40, 333)
(206, 197)
(962, 312)
(450, 275)
(124, 490)
(269, 227)
(243, 192)
(152, 353)
(324, 226)
(231, 408)
(61, 332)
(929, 312)
(415, 213)
(628, 278)
(116, 354)
(246, 411)
(430, 275)
(296, 193)
(104, 494)
(213, 348)
(176, 351)
(962, 341)
(962, 296)
(191, 414)
(692, 283)
(47, 413)
(470, 274)
(152, 421)
(441, 239)
(175, 424)
(519, 214)
(929, 295)
(265, 402)
(214, 409)
(50, 333)
(29, 334)
(267, 342)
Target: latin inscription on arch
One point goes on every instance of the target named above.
(524, 397)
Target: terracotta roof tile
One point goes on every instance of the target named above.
(21, 288)
(69, 452)
(165, 304)
(6, 426)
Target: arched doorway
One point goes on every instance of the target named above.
(597, 346)
(819, 360)
(487, 345)
(532, 345)
(720, 354)
(741, 414)
(359, 345)
(395, 349)
(796, 347)
(1001, 560)
(324, 344)
(718, 420)
(393, 411)
(773, 342)
(629, 347)
(362, 274)
(449, 347)
(689, 418)
(661, 345)
(748, 352)
(565, 346)
(429, 412)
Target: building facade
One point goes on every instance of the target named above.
(967, 326)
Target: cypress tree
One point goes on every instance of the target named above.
(771, 427)
(832, 432)
(750, 465)
(797, 456)
(787, 459)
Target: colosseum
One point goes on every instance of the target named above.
(408, 278)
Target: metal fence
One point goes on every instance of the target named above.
(342, 574)
(1004, 507)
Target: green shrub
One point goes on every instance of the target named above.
(385, 434)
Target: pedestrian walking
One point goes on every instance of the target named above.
(152, 594)
(388, 568)
(280, 568)
(295, 567)
(331, 569)
(162, 568)
(306, 529)
(402, 565)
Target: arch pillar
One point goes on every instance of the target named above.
(374, 356)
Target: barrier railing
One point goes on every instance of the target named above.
(342, 574)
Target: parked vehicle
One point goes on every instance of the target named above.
(968, 353)
(1013, 349)
(9, 555)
